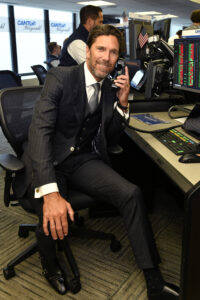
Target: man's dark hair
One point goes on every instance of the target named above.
(195, 16)
(105, 30)
(89, 11)
(179, 33)
(51, 46)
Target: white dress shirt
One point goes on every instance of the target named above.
(89, 80)
(77, 50)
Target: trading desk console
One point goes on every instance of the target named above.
(187, 177)
(184, 175)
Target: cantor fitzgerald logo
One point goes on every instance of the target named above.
(60, 27)
(26, 22)
(2, 25)
(29, 25)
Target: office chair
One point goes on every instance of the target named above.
(49, 66)
(9, 79)
(40, 72)
(16, 106)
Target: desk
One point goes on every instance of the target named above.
(187, 177)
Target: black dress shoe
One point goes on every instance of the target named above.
(54, 275)
(57, 282)
(168, 292)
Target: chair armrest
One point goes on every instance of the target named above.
(116, 149)
(11, 163)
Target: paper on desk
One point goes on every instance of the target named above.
(181, 120)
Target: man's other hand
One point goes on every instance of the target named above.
(55, 210)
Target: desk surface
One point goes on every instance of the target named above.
(184, 175)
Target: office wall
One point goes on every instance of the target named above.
(32, 81)
(177, 24)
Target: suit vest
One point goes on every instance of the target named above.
(89, 129)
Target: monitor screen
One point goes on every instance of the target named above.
(137, 79)
(187, 64)
(162, 28)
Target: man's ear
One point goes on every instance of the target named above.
(90, 24)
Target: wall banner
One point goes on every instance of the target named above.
(4, 27)
(29, 25)
(60, 27)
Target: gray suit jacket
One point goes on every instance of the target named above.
(57, 120)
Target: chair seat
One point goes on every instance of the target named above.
(80, 200)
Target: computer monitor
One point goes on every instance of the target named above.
(187, 64)
(162, 28)
(135, 27)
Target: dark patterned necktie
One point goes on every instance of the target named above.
(93, 103)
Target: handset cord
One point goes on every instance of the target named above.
(176, 108)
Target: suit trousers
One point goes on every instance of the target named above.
(92, 176)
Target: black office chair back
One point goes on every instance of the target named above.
(16, 109)
(49, 65)
(9, 79)
(40, 72)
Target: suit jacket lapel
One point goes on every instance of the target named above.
(79, 93)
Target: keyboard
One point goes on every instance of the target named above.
(175, 141)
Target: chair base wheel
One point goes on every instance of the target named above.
(115, 246)
(8, 273)
(74, 285)
(23, 233)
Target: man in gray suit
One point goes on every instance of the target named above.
(76, 119)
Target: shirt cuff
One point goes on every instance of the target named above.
(46, 189)
(121, 112)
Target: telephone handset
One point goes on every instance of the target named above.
(118, 70)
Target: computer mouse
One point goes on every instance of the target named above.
(189, 158)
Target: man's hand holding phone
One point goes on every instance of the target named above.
(122, 82)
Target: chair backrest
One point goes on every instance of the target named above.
(9, 79)
(40, 72)
(16, 109)
(49, 65)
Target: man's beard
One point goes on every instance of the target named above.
(99, 74)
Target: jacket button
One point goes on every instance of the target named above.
(37, 190)
(72, 149)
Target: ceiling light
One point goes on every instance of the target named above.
(97, 3)
(196, 1)
(148, 13)
(162, 17)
